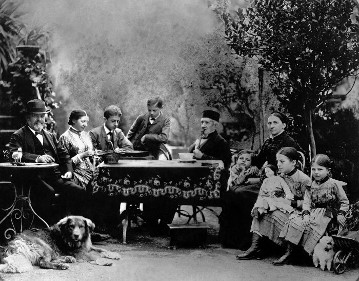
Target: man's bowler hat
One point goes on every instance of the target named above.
(36, 106)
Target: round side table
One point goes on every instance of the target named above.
(21, 213)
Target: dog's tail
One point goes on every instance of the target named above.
(16, 263)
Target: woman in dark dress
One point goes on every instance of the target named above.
(278, 139)
(235, 221)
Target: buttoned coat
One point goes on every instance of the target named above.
(156, 135)
(215, 148)
(24, 138)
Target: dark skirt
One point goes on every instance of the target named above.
(236, 219)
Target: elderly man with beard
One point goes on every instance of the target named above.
(41, 146)
(211, 146)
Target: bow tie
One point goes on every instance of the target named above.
(37, 133)
(152, 119)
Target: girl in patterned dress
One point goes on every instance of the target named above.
(272, 223)
(324, 207)
(78, 144)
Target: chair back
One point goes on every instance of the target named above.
(302, 162)
(164, 153)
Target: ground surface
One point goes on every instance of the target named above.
(150, 258)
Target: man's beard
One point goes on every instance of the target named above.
(38, 127)
(204, 133)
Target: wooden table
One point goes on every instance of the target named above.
(21, 214)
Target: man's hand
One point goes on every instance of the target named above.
(118, 150)
(252, 170)
(67, 175)
(255, 213)
(45, 159)
(306, 220)
(197, 154)
(86, 153)
(143, 139)
(341, 219)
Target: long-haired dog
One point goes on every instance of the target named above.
(323, 253)
(66, 242)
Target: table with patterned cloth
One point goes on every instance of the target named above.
(187, 182)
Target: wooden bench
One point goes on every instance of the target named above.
(188, 235)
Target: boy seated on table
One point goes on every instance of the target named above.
(151, 130)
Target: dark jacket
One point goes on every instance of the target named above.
(270, 148)
(25, 139)
(156, 133)
(100, 141)
(215, 148)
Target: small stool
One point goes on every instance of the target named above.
(188, 235)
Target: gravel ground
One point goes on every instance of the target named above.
(150, 258)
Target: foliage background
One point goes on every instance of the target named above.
(124, 52)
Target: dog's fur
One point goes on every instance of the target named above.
(67, 241)
(323, 253)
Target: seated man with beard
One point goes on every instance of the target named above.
(41, 146)
(211, 146)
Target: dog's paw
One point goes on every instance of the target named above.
(111, 255)
(70, 259)
(62, 266)
(102, 262)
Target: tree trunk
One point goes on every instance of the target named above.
(261, 106)
(308, 113)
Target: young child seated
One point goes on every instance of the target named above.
(242, 169)
(274, 193)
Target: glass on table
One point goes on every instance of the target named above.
(17, 155)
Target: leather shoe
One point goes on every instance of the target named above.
(254, 251)
(285, 259)
(98, 237)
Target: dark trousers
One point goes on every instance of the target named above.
(72, 200)
(162, 210)
(236, 219)
(105, 211)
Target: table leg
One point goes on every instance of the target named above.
(33, 211)
(20, 212)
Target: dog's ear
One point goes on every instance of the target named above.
(62, 222)
(90, 224)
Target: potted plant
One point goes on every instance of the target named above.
(28, 79)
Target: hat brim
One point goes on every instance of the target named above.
(38, 112)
